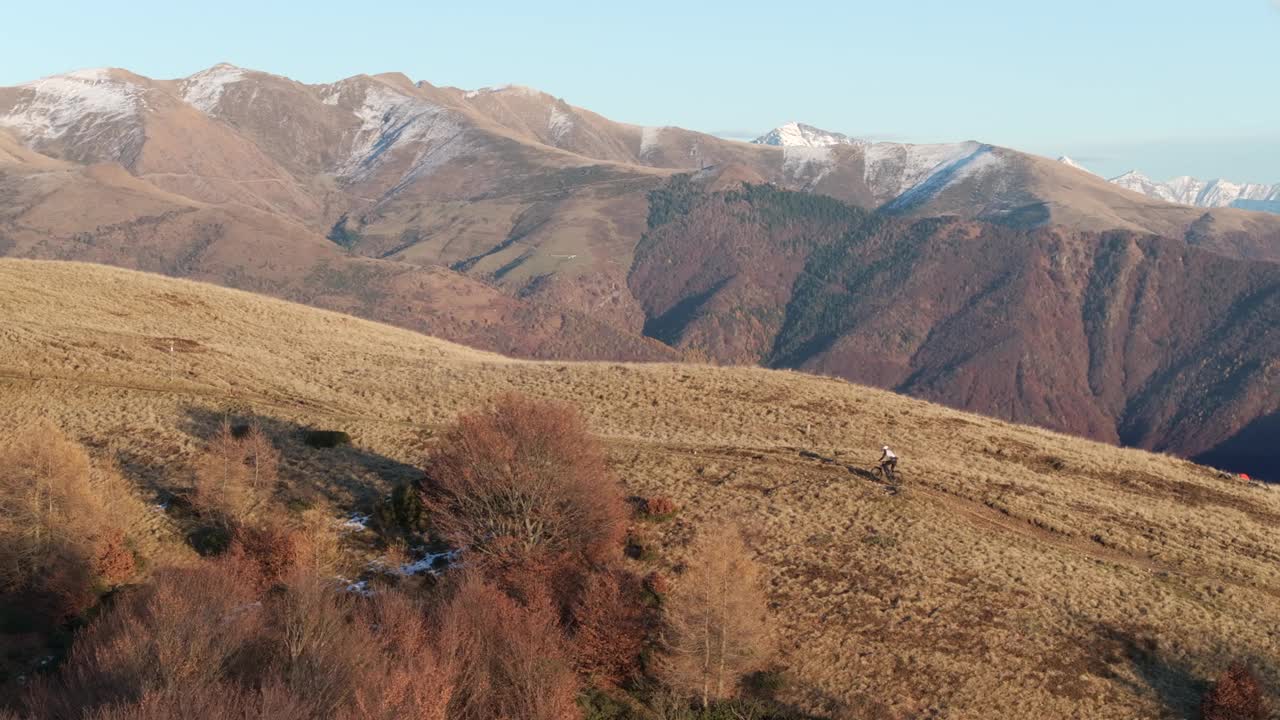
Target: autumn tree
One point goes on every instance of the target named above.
(716, 618)
(524, 489)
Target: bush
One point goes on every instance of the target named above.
(1236, 695)
(599, 705)
(402, 513)
(610, 626)
(276, 551)
(113, 562)
(660, 507)
(640, 545)
(179, 634)
(524, 488)
(765, 684)
(511, 660)
(322, 439)
(656, 583)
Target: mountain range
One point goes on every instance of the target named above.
(1186, 190)
(508, 219)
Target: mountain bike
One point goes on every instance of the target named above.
(885, 473)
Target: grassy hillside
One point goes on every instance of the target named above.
(1019, 573)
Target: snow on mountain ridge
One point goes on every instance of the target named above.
(1065, 160)
(891, 169)
(204, 89)
(796, 134)
(1187, 190)
(389, 119)
(61, 102)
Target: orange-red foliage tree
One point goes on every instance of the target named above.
(523, 489)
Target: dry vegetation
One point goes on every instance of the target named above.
(1017, 573)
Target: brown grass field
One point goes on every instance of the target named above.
(1017, 574)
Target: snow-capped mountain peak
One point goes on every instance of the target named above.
(1065, 160)
(796, 134)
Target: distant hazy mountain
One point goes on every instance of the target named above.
(1186, 190)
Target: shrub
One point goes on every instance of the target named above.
(524, 488)
(599, 705)
(511, 660)
(660, 507)
(716, 618)
(113, 561)
(179, 634)
(1236, 695)
(640, 545)
(610, 626)
(322, 439)
(402, 513)
(656, 583)
(765, 684)
(275, 550)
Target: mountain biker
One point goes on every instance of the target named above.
(888, 462)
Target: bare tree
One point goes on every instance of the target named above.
(234, 473)
(261, 456)
(716, 624)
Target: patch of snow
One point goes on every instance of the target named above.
(430, 563)
(90, 74)
(391, 120)
(356, 522)
(359, 587)
(891, 169)
(83, 101)
(805, 163)
(204, 89)
(650, 140)
(518, 89)
(980, 161)
(559, 124)
(1072, 163)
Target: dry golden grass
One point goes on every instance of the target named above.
(1020, 573)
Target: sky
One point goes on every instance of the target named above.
(1168, 87)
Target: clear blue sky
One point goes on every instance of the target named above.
(1165, 86)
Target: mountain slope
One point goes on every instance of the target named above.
(1117, 336)
(101, 213)
(1018, 568)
